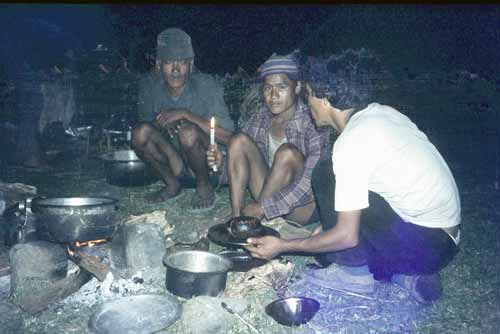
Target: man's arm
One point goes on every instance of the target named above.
(170, 116)
(344, 235)
(299, 192)
(210, 95)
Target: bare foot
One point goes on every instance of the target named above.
(162, 195)
(203, 198)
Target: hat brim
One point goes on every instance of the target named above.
(165, 53)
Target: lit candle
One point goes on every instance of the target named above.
(212, 137)
(212, 131)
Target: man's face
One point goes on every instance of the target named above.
(321, 110)
(176, 72)
(280, 93)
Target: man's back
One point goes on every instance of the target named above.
(393, 158)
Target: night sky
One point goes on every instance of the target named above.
(224, 36)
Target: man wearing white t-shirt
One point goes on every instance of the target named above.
(396, 201)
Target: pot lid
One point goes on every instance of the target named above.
(142, 314)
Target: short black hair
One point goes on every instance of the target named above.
(345, 79)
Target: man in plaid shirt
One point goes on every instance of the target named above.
(275, 153)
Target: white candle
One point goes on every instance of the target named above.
(212, 131)
(212, 137)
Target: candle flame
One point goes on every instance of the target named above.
(212, 122)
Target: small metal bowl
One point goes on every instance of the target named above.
(293, 311)
(243, 227)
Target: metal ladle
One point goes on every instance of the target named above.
(240, 318)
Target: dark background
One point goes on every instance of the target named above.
(227, 36)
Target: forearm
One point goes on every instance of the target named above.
(329, 241)
(222, 135)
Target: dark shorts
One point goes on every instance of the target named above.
(388, 244)
(186, 179)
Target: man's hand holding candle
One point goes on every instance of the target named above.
(212, 140)
(215, 158)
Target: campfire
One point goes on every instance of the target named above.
(82, 254)
(90, 243)
(84, 246)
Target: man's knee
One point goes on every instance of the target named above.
(289, 155)
(189, 134)
(141, 134)
(239, 142)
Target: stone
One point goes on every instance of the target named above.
(137, 248)
(39, 275)
(38, 259)
(35, 294)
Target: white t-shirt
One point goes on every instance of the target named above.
(383, 151)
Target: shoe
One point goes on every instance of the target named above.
(423, 288)
(339, 278)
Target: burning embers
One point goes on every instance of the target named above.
(85, 246)
(89, 255)
(91, 243)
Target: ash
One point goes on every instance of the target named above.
(95, 292)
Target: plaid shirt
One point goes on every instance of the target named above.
(301, 132)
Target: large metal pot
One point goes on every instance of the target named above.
(196, 273)
(124, 168)
(68, 219)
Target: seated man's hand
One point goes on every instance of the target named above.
(254, 209)
(172, 116)
(267, 247)
(214, 157)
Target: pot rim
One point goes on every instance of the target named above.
(226, 261)
(108, 157)
(35, 202)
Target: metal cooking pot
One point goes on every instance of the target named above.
(124, 168)
(196, 273)
(68, 219)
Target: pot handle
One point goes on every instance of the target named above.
(25, 207)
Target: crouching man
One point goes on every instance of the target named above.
(174, 108)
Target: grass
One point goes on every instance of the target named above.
(468, 140)
(471, 303)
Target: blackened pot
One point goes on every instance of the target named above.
(124, 168)
(196, 273)
(68, 219)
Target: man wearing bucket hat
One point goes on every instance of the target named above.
(276, 151)
(174, 108)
